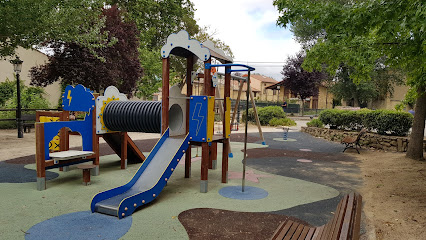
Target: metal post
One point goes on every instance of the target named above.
(245, 132)
(19, 108)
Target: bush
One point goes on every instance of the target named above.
(31, 97)
(282, 122)
(265, 114)
(315, 123)
(6, 90)
(396, 123)
(382, 121)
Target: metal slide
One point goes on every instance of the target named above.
(148, 181)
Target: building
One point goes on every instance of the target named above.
(323, 100)
(30, 58)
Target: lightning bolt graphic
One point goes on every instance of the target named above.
(69, 97)
(197, 118)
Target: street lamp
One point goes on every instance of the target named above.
(17, 67)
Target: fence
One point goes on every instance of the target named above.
(25, 110)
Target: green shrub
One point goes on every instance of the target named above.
(394, 122)
(282, 122)
(6, 90)
(332, 117)
(315, 123)
(31, 97)
(265, 114)
(383, 121)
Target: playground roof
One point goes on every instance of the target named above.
(218, 54)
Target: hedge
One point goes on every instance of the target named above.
(265, 114)
(282, 122)
(315, 123)
(383, 121)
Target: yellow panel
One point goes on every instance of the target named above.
(101, 114)
(210, 118)
(49, 119)
(54, 144)
(228, 118)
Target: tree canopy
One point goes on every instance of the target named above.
(360, 94)
(357, 33)
(116, 65)
(27, 23)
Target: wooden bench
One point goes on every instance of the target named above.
(353, 142)
(31, 118)
(344, 225)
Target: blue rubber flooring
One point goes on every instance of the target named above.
(250, 193)
(79, 226)
(17, 173)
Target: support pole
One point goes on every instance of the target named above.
(123, 137)
(165, 96)
(19, 109)
(226, 145)
(204, 167)
(189, 68)
(255, 113)
(40, 160)
(245, 133)
(237, 102)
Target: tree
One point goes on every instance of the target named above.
(357, 33)
(27, 23)
(156, 20)
(116, 65)
(302, 83)
(382, 83)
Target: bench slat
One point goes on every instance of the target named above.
(331, 225)
(298, 231)
(279, 229)
(291, 231)
(345, 224)
(339, 222)
(357, 220)
(318, 233)
(310, 233)
(344, 233)
(304, 233)
(286, 228)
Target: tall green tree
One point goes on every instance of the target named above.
(27, 23)
(381, 85)
(357, 33)
(156, 20)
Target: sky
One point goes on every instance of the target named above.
(249, 28)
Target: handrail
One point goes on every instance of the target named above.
(209, 66)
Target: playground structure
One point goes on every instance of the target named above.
(184, 121)
(53, 130)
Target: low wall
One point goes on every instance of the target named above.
(369, 140)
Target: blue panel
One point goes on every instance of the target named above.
(78, 98)
(198, 118)
(51, 129)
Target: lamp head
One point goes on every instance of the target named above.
(17, 64)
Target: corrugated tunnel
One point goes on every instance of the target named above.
(133, 116)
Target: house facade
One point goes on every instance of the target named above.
(30, 58)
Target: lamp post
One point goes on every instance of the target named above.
(17, 67)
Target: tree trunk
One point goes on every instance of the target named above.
(303, 106)
(415, 146)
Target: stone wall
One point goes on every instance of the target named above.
(369, 140)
